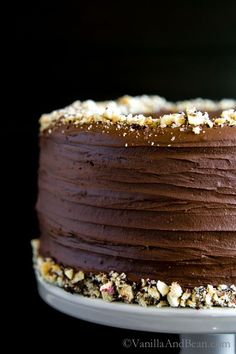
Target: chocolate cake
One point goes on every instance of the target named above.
(137, 201)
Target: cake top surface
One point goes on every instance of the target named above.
(151, 111)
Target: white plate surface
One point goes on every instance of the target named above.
(169, 320)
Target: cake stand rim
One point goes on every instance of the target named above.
(85, 308)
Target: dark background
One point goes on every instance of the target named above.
(102, 50)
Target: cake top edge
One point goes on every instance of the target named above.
(145, 111)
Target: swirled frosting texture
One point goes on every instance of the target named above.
(166, 210)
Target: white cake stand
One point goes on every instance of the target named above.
(202, 331)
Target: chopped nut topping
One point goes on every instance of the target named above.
(126, 292)
(163, 288)
(126, 111)
(196, 130)
(153, 292)
(69, 273)
(77, 277)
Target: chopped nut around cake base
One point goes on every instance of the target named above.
(116, 287)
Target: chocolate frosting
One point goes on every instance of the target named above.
(153, 203)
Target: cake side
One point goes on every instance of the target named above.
(164, 212)
(150, 200)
